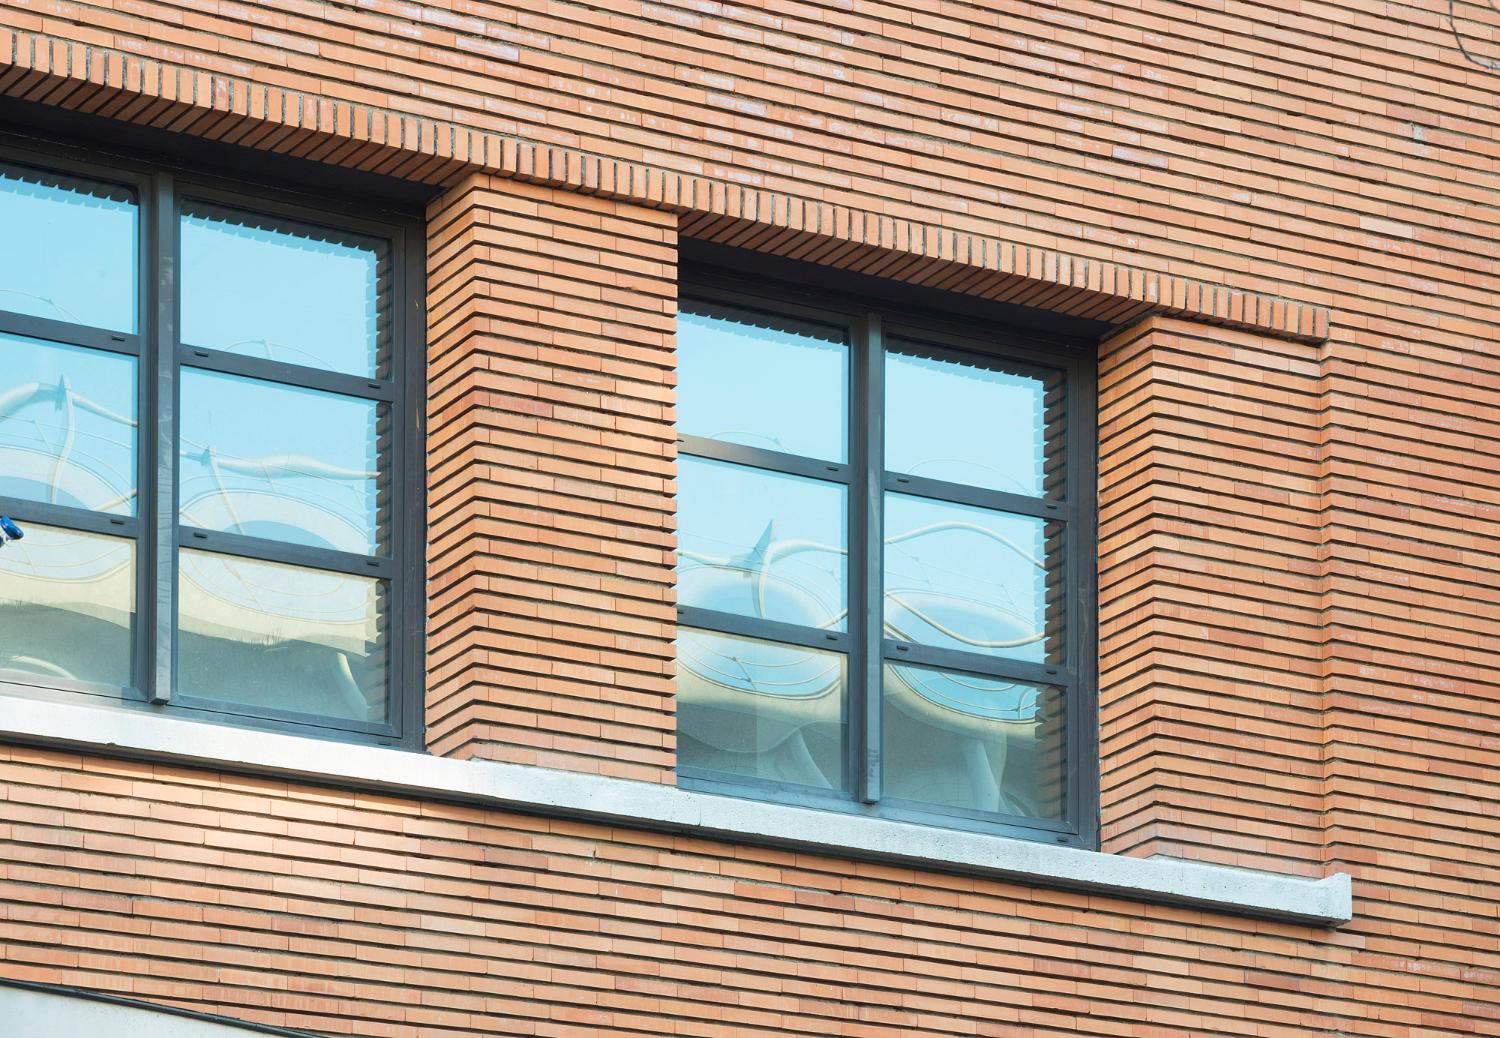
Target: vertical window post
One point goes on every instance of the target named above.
(870, 437)
(160, 615)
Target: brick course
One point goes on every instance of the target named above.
(344, 912)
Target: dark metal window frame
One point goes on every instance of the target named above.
(160, 192)
(867, 481)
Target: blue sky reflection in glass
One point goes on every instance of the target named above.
(765, 382)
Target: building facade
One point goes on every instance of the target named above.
(849, 518)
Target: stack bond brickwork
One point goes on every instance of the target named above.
(551, 448)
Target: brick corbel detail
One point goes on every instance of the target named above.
(244, 111)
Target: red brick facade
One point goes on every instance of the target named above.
(550, 385)
(1287, 213)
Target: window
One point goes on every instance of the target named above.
(885, 570)
(206, 439)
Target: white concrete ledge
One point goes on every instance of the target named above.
(136, 733)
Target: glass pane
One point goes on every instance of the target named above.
(67, 605)
(761, 544)
(267, 636)
(284, 291)
(760, 709)
(763, 381)
(67, 425)
(70, 252)
(290, 464)
(979, 743)
(968, 578)
(980, 426)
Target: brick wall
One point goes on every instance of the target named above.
(1299, 609)
(551, 453)
(347, 913)
(1211, 578)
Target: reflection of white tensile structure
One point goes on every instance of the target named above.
(60, 467)
(63, 588)
(773, 710)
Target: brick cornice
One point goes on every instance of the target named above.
(239, 110)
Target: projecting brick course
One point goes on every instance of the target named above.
(1286, 210)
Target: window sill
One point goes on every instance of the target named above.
(1324, 902)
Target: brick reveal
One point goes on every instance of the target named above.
(1210, 530)
(551, 453)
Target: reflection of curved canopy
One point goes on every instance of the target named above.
(251, 601)
(59, 587)
(757, 583)
(50, 452)
(775, 710)
(67, 600)
(265, 513)
(60, 396)
(44, 455)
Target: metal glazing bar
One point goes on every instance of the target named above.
(767, 630)
(910, 653)
(287, 720)
(996, 822)
(775, 461)
(1000, 349)
(869, 529)
(69, 334)
(997, 500)
(267, 550)
(68, 518)
(287, 374)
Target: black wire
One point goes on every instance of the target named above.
(1493, 64)
(68, 991)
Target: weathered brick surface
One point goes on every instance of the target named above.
(550, 456)
(1299, 509)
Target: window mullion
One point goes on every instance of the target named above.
(161, 575)
(869, 625)
(409, 483)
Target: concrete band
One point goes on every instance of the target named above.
(646, 805)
